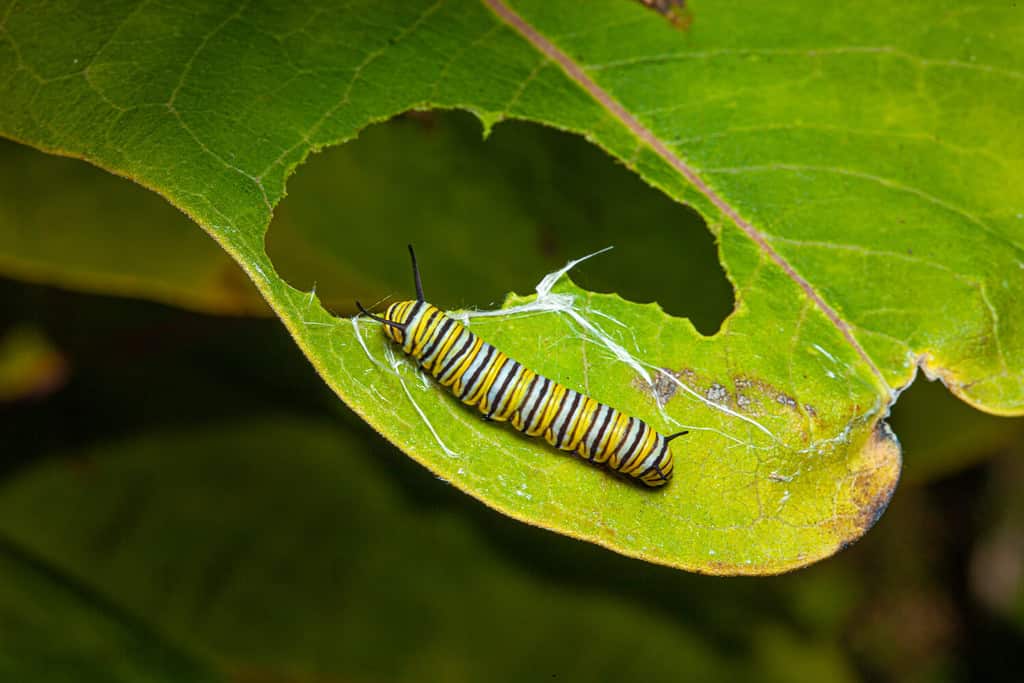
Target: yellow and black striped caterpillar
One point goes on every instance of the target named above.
(502, 389)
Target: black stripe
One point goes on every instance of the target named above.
(627, 454)
(526, 395)
(422, 326)
(656, 465)
(466, 345)
(504, 403)
(567, 420)
(484, 392)
(429, 319)
(407, 331)
(484, 364)
(597, 442)
(536, 404)
(638, 448)
(561, 402)
(412, 314)
(504, 386)
(439, 336)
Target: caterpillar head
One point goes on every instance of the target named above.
(396, 318)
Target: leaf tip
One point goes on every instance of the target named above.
(876, 471)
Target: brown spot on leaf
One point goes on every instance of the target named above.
(752, 395)
(665, 385)
(676, 11)
(786, 400)
(877, 470)
(716, 393)
(882, 452)
(748, 394)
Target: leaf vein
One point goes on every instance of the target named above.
(880, 180)
(631, 123)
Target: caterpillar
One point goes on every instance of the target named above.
(504, 390)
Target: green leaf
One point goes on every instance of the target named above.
(858, 165)
(293, 569)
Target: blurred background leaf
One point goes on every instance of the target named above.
(68, 223)
(56, 629)
(209, 534)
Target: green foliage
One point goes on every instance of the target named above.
(221, 573)
(55, 629)
(68, 223)
(862, 180)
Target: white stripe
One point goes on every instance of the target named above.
(426, 360)
(455, 348)
(563, 412)
(410, 327)
(629, 437)
(656, 453)
(595, 426)
(487, 353)
(620, 453)
(609, 431)
(513, 383)
(530, 400)
(499, 381)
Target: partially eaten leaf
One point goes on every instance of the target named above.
(863, 182)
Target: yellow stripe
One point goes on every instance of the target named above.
(552, 399)
(446, 346)
(617, 425)
(516, 399)
(490, 374)
(417, 332)
(433, 324)
(390, 314)
(614, 440)
(585, 415)
(645, 449)
(456, 380)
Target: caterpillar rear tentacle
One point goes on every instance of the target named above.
(504, 390)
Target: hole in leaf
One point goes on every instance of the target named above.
(488, 217)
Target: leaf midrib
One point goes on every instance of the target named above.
(647, 137)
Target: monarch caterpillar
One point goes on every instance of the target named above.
(502, 389)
